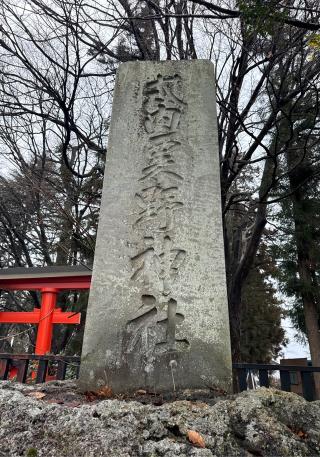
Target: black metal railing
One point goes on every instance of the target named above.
(38, 368)
(263, 371)
(30, 368)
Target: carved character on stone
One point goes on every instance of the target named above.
(157, 207)
(163, 104)
(146, 263)
(153, 328)
(171, 260)
(161, 163)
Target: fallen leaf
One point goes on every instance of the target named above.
(91, 396)
(54, 401)
(37, 395)
(195, 438)
(218, 390)
(104, 392)
(141, 392)
(198, 404)
(300, 433)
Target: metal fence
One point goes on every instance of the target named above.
(30, 368)
(264, 370)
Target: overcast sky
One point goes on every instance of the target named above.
(294, 349)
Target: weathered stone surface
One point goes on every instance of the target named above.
(264, 423)
(157, 314)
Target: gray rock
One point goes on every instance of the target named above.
(265, 422)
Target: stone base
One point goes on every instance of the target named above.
(265, 422)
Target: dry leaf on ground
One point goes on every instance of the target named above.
(37, 395)
(104, 392)
(195, 438)
(54, 401)
(300, 433)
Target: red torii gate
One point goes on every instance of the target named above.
(48, 281)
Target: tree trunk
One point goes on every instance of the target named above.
(241, 258)
(306, 263)
(311, 316)
(311, 313)
(309, 300)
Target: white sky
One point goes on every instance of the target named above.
(294, 349)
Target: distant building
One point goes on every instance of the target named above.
(295, 376)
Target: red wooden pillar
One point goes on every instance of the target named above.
(45, 327)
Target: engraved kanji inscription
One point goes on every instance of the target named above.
(159, 258)
(153, 328)
(163, 104)
(171, 260)
(157, 206)
(165, 264)
(160, 162)
(172, 321)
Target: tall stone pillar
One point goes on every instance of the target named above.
(157, 315)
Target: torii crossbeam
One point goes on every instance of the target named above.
(49, 281)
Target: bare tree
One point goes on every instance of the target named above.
(57, 65)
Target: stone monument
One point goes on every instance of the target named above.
(157, 316)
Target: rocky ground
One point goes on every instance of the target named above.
(54, 419)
